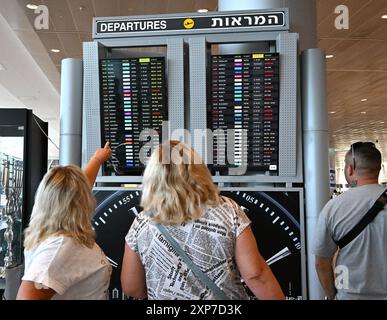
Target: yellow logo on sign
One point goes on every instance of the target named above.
(188, 23)
(258, 55)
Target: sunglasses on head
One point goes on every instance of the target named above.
(357, 145)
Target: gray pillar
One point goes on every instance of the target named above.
(71, 112)
(316, 154)
(302, 15)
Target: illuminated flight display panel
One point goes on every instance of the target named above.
(133, 98)
(245, 96)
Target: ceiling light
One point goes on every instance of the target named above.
(329, 56)
(32, 6)
(382, 122)
(364, 100)
(332, 112)
(384, 16)
(363, 112)
(55, 50)
(203, 10)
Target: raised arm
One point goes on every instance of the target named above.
(254, 270)
(92, 167)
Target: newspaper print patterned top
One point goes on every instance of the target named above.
(209, 242)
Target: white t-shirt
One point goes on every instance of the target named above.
(74, 271)
(363, 262)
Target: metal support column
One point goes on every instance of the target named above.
(71, 112)
(316, 151)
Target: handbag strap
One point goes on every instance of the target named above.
(195, 269)
(365, 221)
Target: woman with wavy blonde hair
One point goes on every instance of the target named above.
(214, 232)
(62, 260)
(177, 185)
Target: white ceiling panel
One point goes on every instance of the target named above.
(82, 12)
(60, 15)
(72, 43)
(106, 8)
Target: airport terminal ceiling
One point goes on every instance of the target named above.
(357, 72)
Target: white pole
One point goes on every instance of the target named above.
(316, 151)
(71, 112)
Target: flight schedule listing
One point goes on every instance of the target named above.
(133, 98)
(245, 98)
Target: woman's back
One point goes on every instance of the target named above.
(178, 189)
(72, 270)
(62, 260)
(208, 241)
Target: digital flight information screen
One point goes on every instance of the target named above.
(133, 98)
(245, 96)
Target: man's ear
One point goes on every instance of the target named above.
(350, 170)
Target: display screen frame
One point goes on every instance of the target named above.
(223, 169)
(110, 167)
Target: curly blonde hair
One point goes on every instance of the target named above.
(64, 205)
(177, 186)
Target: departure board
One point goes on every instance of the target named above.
(245, 96)
(133, 98)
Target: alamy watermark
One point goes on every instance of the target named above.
(230, 146)
(341, 277)
(41, 21)
(342, 20)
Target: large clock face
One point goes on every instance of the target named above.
(114, 214)
(275, 220)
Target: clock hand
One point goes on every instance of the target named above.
(278, 256)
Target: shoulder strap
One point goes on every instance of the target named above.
(195, 269)
(363, 223)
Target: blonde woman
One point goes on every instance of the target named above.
(62, 260)
(179, 194)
